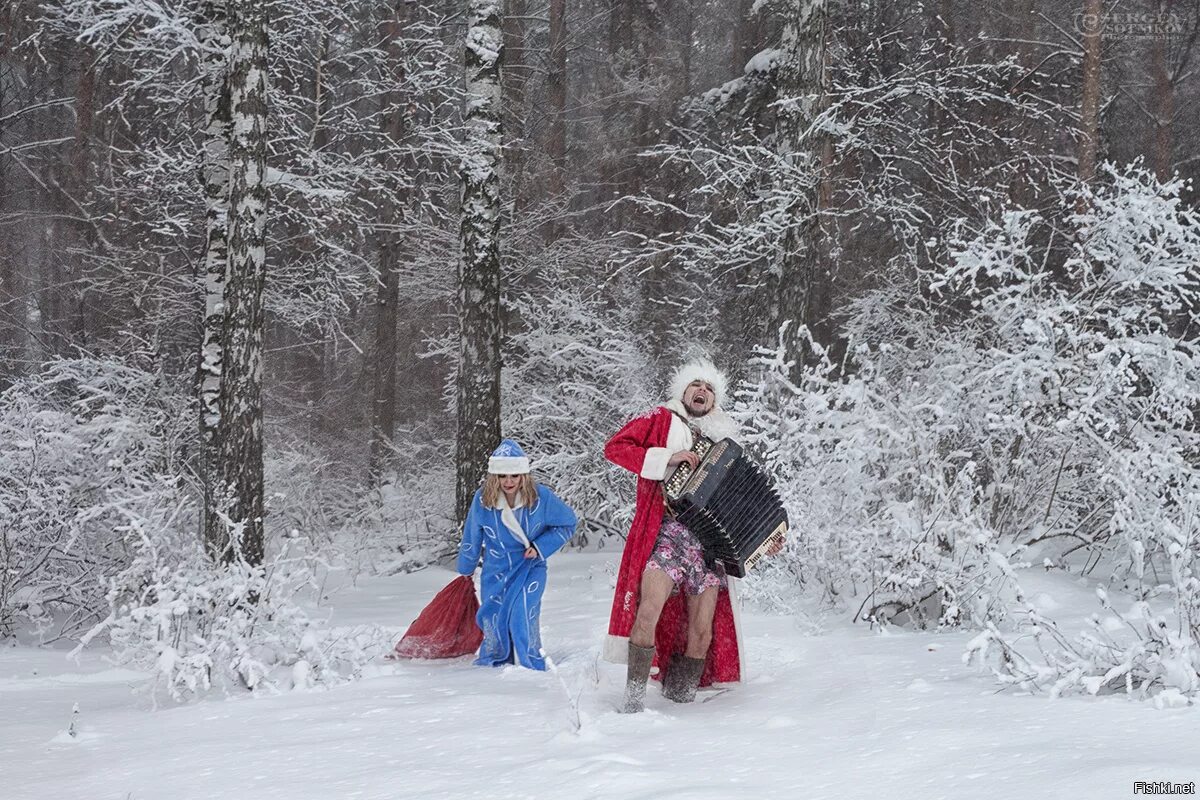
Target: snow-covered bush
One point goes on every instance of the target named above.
(195, 625)
(399, 524)
(96, 519)
(1129, 404)
(1031, 400)
(1140, 652)
(91, 449)
(884, 497)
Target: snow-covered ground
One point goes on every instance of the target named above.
(846, 713)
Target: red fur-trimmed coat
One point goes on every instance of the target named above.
(641, 447)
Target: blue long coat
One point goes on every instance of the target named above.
(511, 586)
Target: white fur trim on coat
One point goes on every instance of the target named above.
(654, 467)
(508, 465)
(616, 649)
(511, 522)
(735, 605)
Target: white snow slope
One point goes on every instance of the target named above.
(848, 713)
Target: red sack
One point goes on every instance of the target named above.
(446, 628)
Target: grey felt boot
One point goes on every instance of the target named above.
(683, 678)
(636, 677)
(670, 679)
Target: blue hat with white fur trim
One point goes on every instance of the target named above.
(508, 459)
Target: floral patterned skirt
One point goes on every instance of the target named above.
(677, 552)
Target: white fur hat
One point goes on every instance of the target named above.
(698, 369)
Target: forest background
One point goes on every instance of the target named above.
(275, 276)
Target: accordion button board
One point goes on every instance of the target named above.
(729, 503)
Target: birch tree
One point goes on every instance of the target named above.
(478, 382)
(214, 41)
(239, 493)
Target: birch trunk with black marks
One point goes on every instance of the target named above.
(240, 484)
(802, 98)
(478, 382)
(214, 178)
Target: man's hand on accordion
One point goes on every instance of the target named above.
(683, 455)
(776, 548)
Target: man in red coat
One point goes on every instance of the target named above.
(670, 609)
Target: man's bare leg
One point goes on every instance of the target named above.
(701, 608)
(685, 671)
(656, 588)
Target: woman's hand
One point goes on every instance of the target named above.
(684, 455)
(531, 552)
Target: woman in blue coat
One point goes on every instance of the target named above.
(518, 524)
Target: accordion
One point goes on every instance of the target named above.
(729, 504)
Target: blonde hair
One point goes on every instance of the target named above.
(492, 491)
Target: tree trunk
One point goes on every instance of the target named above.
(240, 487)
(44, 325)
(516, 79)
(10, 293)
(687, 46)
(85, 116)
(1089, 109)
(215, 180)
(81, 184)
(317, 371)
(556, 140)
(802, 95)
(383, 405)
(621, 114)
(387, 295)
(1025, 191)
(648, 45)
(747, 34)
(1164, 103)
(478, 385)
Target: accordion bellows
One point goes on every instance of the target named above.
(729, 504)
